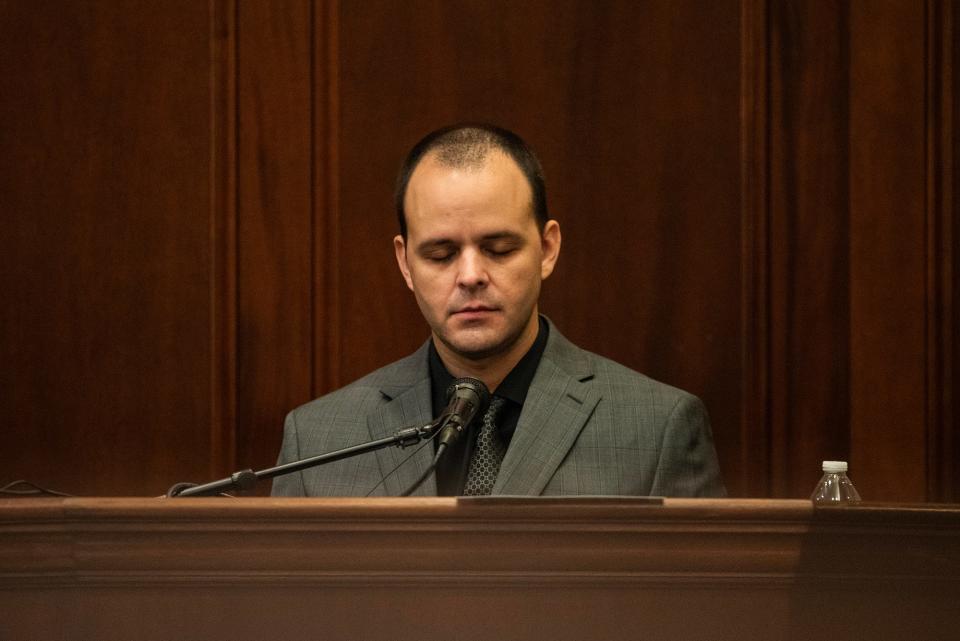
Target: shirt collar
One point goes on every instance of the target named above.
(513, 388)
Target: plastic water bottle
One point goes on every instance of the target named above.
(835, 487)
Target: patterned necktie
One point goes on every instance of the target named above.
(488, 453)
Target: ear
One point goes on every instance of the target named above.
(549, 247)
(400, 249)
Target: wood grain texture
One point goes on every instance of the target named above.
(756, 199)
(223, 238)
(275, 223)
(943, 454)
(808, 241)
(105, 255)
(855, 348)
(948, 481)
(888, 250)
(753, 470)
(611, 569)
(328, 319)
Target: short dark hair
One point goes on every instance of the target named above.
(467, 145)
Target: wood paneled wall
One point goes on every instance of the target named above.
(108, 265)
(756, 200)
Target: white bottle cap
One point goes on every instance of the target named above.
(834, 466)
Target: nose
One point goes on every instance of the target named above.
(471, 272)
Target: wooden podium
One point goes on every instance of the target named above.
(475, 569)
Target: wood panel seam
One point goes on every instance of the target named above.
(223, 238)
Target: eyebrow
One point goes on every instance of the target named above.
(502, 235)
(432, 243)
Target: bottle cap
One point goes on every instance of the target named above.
(834, 466)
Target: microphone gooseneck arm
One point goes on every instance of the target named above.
(245, 479)
(466, 399)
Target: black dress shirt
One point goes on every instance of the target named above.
(452, 469)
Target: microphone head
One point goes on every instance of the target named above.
(467, 398)
(470, 390)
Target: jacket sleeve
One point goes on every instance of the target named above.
(289, 484)
(688, 465)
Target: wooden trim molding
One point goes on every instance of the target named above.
(614, 568)
(326, 201)
(755, 269)
(889, 249)
(738, 540)
(942, 469)
(223, 236)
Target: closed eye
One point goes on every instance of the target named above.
(437, 250)
(439, 256)
(502, 247)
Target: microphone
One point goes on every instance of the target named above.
(466, 398)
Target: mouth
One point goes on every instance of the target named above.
(473, 311)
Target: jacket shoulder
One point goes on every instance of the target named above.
(368, 391)
(620, 381)
(611, 379)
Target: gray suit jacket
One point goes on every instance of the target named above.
(589, 426)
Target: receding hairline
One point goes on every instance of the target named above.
(465, 148)
(476, 163)
(469, 145)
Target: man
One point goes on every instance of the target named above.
(475, 244)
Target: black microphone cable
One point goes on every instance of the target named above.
(441, 448)
(401, 464)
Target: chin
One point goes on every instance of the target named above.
(476, 349)
(477, 344)
(464, 338)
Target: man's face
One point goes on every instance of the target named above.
(474, 257)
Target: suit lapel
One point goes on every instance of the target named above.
(558, 404)
(408, 403)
